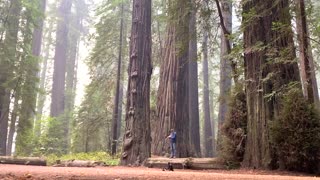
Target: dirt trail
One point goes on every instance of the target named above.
(8, 172)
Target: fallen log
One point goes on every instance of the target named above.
(78, 163)
(186, 163)
(34, 161)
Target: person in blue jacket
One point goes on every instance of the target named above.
(173, 140)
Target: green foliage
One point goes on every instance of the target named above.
(296, 133)
(231, 147)
(93, 156)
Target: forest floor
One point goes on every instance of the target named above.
(18, 172)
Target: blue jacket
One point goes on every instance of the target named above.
(173, 137)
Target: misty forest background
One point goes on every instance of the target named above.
(235, 78)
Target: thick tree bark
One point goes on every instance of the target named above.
(209, 139)
(173, 89)
(117, 92)
(268, 72)
(6, 68)
(307, 69)
(225, 62)
(193, 85)
(136, 146)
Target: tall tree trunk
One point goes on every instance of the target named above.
(173, 88)
(307, 70)
(6, 67)
(61, 130)
(29, 78)
(225, 62)
(136, 146)
(13, 120)
(117, 92)
(58, 86)
(208, 132)
(72, 63)
(36, 51)
(42, 84)
(193, 85)
(268, 70)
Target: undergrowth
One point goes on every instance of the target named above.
(92, 156)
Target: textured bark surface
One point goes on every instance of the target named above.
(225, 62)
(172, 104)
(209, 139)
(193, 85)
(307, 69)
(136, 140)
(268, 71)
(8, 57)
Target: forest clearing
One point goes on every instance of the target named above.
(159, 89)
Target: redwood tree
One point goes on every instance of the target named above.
(270, 68)
(136, 141)
(173, 98)
(193, 84)
(308, 76)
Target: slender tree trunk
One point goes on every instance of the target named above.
(193, 85)
(267, 70)
(208, 132)
(173, 89)
(136, 146)
(42, 84)
(117, 92)
(6, 68)
(14, 117)
(29, 79)
(307, 70)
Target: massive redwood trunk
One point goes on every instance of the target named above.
(137, 139)
(270, 67)
(307, 69)
(193, 85)
(173, 89)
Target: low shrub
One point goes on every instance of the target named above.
(295, 134)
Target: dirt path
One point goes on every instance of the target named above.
(8, 172)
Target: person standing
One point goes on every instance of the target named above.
(173, 138)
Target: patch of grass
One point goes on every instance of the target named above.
(91, 156)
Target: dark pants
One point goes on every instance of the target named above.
(173, 149)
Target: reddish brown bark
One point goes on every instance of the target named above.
(268, 72)
(137, 139)
(173, 98)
